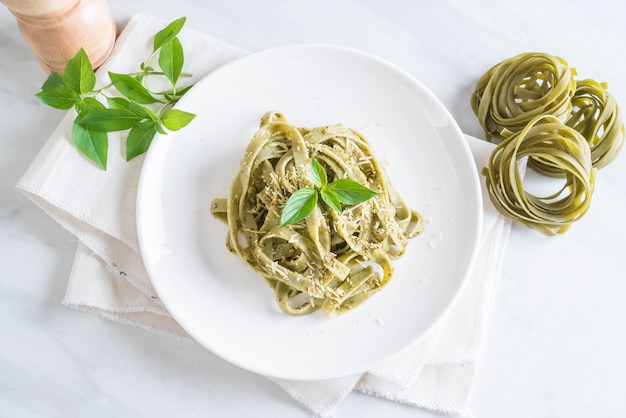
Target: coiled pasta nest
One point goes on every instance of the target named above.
(596, 115)
(510, 94)
(547, 144)
(533, 106)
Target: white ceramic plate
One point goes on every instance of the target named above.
(228, 308)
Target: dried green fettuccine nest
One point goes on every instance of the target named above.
(555, 145)
(518, 89)
(596, 115)
(559, 126)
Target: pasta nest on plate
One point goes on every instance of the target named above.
(329, 260)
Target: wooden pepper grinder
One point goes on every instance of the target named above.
(56, 29)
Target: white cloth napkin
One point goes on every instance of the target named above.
(109, 279)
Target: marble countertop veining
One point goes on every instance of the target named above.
(557, 333)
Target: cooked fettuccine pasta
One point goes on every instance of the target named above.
(329, 260)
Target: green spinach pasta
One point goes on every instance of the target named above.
(562, 127)
(329, 260)
(513, 92)
(551, 147)
(596, 115)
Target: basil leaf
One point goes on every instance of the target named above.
(54, 80)
(78, 74)
(160, 129)
(181, 91)
(131, 88)
(92, 144)
(74, 87)
(171, 59)
(331, 199)
(88, 104)
(175, 119)
(168, 33)
(139, 138)
(109, 120)
(58, 97)
(318, 174)
(298, 206)
(349, 192)
(142, 111)
(118, 103)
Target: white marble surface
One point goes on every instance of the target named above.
(558, 330)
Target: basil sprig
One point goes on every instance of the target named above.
(139, 110)
(342, 191)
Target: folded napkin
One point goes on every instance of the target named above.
(109, 279)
